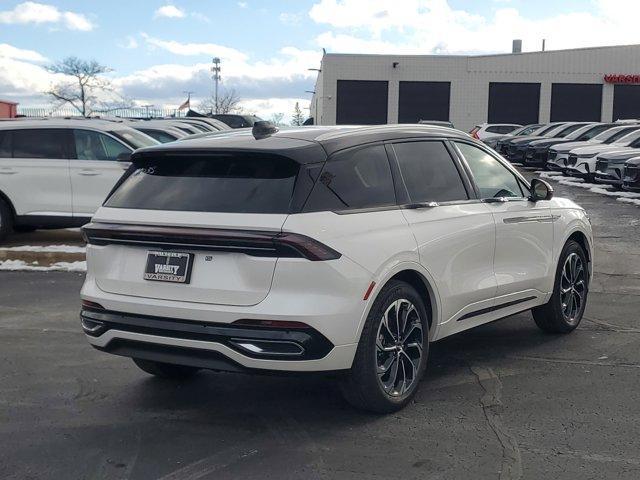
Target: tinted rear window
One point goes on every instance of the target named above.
(429, 173)
(354, 179)
(227, 183)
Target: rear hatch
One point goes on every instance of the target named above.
(222, 211)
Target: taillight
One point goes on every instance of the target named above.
(307, 247)
(475, 135)
(250, 242)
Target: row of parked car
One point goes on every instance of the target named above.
(56, 172)
(605, 153)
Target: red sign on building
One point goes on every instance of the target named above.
(621, 78)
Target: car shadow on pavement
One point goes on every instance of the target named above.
(212, 395)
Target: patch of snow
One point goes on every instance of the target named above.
(46, 248)
(21, 265)
(578, 182)
(545, 174)
(635, 201)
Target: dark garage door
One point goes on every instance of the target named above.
(362, 102)
(578, 102)
(626, 101)
(514, 102)
(423, 101)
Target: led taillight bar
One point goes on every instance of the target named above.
(250, 242)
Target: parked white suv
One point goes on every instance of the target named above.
(55, 173)
(343, 249)
(488, 130)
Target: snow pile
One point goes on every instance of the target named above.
(21, 265)
(635, 201)
(46, 249)
(544, 174)
(614, 193)
(577, 182)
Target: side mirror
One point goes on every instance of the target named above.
(540, 190)
(124, 157)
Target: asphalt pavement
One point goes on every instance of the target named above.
(502, 401)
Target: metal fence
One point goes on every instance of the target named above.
(136, 112)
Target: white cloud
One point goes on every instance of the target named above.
(40, 13)
(433, 26)
(193, 49)
(169, 11)
(9, 51)
(129, 43)
(243, 4)
(290, 18)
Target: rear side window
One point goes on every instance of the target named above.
(91, 145)
(429, 173)
(354, 179)
(40, 143)
(229, 183)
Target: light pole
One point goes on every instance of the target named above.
(215, 69)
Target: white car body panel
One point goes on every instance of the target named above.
(21, 178)
(91, 182)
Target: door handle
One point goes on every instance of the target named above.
(8, 171)
(88, 173)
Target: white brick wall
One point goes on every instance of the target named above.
(470, 77)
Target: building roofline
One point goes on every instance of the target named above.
(484, 55)
(10, 102)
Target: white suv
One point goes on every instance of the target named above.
(485, 131)
(343, 249)
(55, 173)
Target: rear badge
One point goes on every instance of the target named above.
(174, 267)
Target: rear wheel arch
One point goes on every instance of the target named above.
(414, 275)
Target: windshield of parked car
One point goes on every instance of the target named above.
(231, 183)
(576, 134)
(617, 134)
(566, 130)
(134, 138)
(548, 129)
(530, 130)
(627, 139)
(593, 131)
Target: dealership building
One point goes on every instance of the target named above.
(586, 84)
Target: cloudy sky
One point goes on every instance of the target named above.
(158, 49)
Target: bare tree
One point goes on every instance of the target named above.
(298, 118)
(84, 82)
(277, 119)
(228, 102)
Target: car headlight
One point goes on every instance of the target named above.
(587, 155)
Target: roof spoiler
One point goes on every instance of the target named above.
(263, 129)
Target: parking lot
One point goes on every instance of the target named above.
(501, 401)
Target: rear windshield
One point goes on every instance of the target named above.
(133, 138)
(224, 183)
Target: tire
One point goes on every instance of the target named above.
(560, 315)
(362, 387)
(165, 370)
(6, 220)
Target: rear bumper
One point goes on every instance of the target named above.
(336, 318)
(214, 346)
